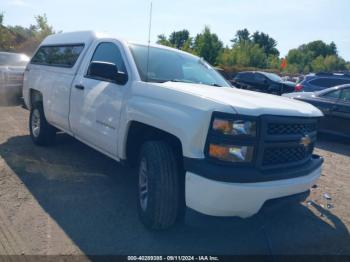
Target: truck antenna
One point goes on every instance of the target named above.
(149, 38)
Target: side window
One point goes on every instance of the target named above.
(334, 95)
(259, 78)
(109, 52)
(238, 76)
(329, 82)
(342, 81)
(246, 76)
(58, 55)
(345, 95)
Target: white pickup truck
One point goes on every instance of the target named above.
(197, 141)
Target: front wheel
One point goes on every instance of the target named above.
(159, 187)
(41, 132)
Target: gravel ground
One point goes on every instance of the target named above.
(70, 199)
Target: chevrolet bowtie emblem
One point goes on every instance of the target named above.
(305, 141)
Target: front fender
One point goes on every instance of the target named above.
(188, 124)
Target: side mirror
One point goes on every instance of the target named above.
(107, 72)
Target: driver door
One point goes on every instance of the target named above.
(96, 103)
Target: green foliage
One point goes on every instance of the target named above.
(258, 50)
(316, 56)
(273, 62)
(318, 64)
(267, 43)
(1, 18)
(208, 46)
(188, 45)
(347, 66)
(292, 69)
(162, 40)
(241, 36)
(179, 38)
(22, 39)
(244, 54)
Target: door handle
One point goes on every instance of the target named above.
(80, 87)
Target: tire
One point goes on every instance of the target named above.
(160, 200)
(41, 132)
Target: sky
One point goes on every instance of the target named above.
(291, 23)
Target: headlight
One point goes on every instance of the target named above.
(234, 127)
(232, 153)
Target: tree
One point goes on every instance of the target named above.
(274, 62)
(241, 35)
(7, 38)
(22, 39)
(39, 31)
(42, 27)
(316, 56)
(333, 48)
(162, 40)
(1, 18)
(179, 38)
(244, 54)
(265, 42)
(188, 45)
(318, 64)
(320, 48)
(347, 65)
(334, 63)
(208, 46)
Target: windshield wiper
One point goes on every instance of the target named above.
(181, 80)
(215, 84)
(189, 81)
(157, 80)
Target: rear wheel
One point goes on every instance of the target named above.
(41, 132)
(159, 186)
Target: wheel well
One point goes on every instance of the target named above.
(35, 96)
(139, 133)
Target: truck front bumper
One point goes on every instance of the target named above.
(222, 198)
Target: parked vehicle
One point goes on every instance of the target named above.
(263, 82)
(320, 81)
(228, 76)
(334, 102)
(197, 141)
(12, 67)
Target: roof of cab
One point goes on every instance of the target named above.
(87, 37)
(84, 37)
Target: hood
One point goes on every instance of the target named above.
(14, 69)
(300, 95)
(246, 102)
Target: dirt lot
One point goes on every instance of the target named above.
(69, 199)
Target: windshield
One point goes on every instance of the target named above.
(273, 77)
(9, 59)
(167, 65)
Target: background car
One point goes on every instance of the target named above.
(228, 76)
(12, 68)
(334, 103)
(320, 81)
(263, 82)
